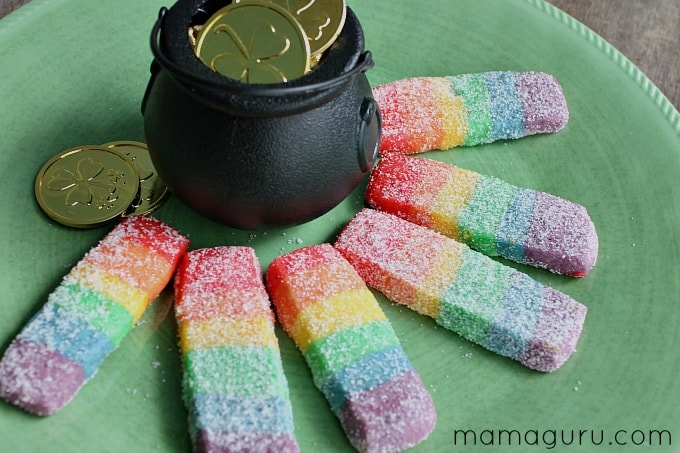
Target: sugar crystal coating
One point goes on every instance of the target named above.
(486, 213)
(428, 113)
(89, 313)
(234, 386)
(351, 349)
(464, 291)
(362, 416)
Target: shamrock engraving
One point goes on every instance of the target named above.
(298, 6)
(143, 168)
(315, 19)
(253, 59)
(81, 186)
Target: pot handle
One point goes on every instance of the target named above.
(364, 63)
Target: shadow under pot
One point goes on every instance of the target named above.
(258, 155)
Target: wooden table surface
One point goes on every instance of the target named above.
(645, 31)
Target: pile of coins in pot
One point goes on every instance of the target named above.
(268, 41)
(88, 186)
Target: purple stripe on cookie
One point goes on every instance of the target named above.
(545, 108)
(562, 237)
(38, 379)
(222, 441)
(390, 417)
(556, 333)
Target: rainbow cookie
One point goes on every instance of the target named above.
(464, 291)
(354, 355)
(88, 314)
(234, 385)
(490, 215)
(427, 113)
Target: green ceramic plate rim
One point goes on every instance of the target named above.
(660, 100)
(649, 88)
(669, 112)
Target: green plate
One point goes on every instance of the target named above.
(73, 72)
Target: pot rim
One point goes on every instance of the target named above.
(364, 63)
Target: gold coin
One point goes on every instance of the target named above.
(322, 20)
(152, 190)
(86, 186)
(192, 33)
(254, 42)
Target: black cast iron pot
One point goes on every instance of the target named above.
(255, 155)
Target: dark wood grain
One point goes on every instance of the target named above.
(645, 31)
(7, 6)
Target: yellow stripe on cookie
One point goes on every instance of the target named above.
(226, 331)
(334, 314)
(451, 200)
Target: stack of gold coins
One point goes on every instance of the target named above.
(268, 41)
(88, 186)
